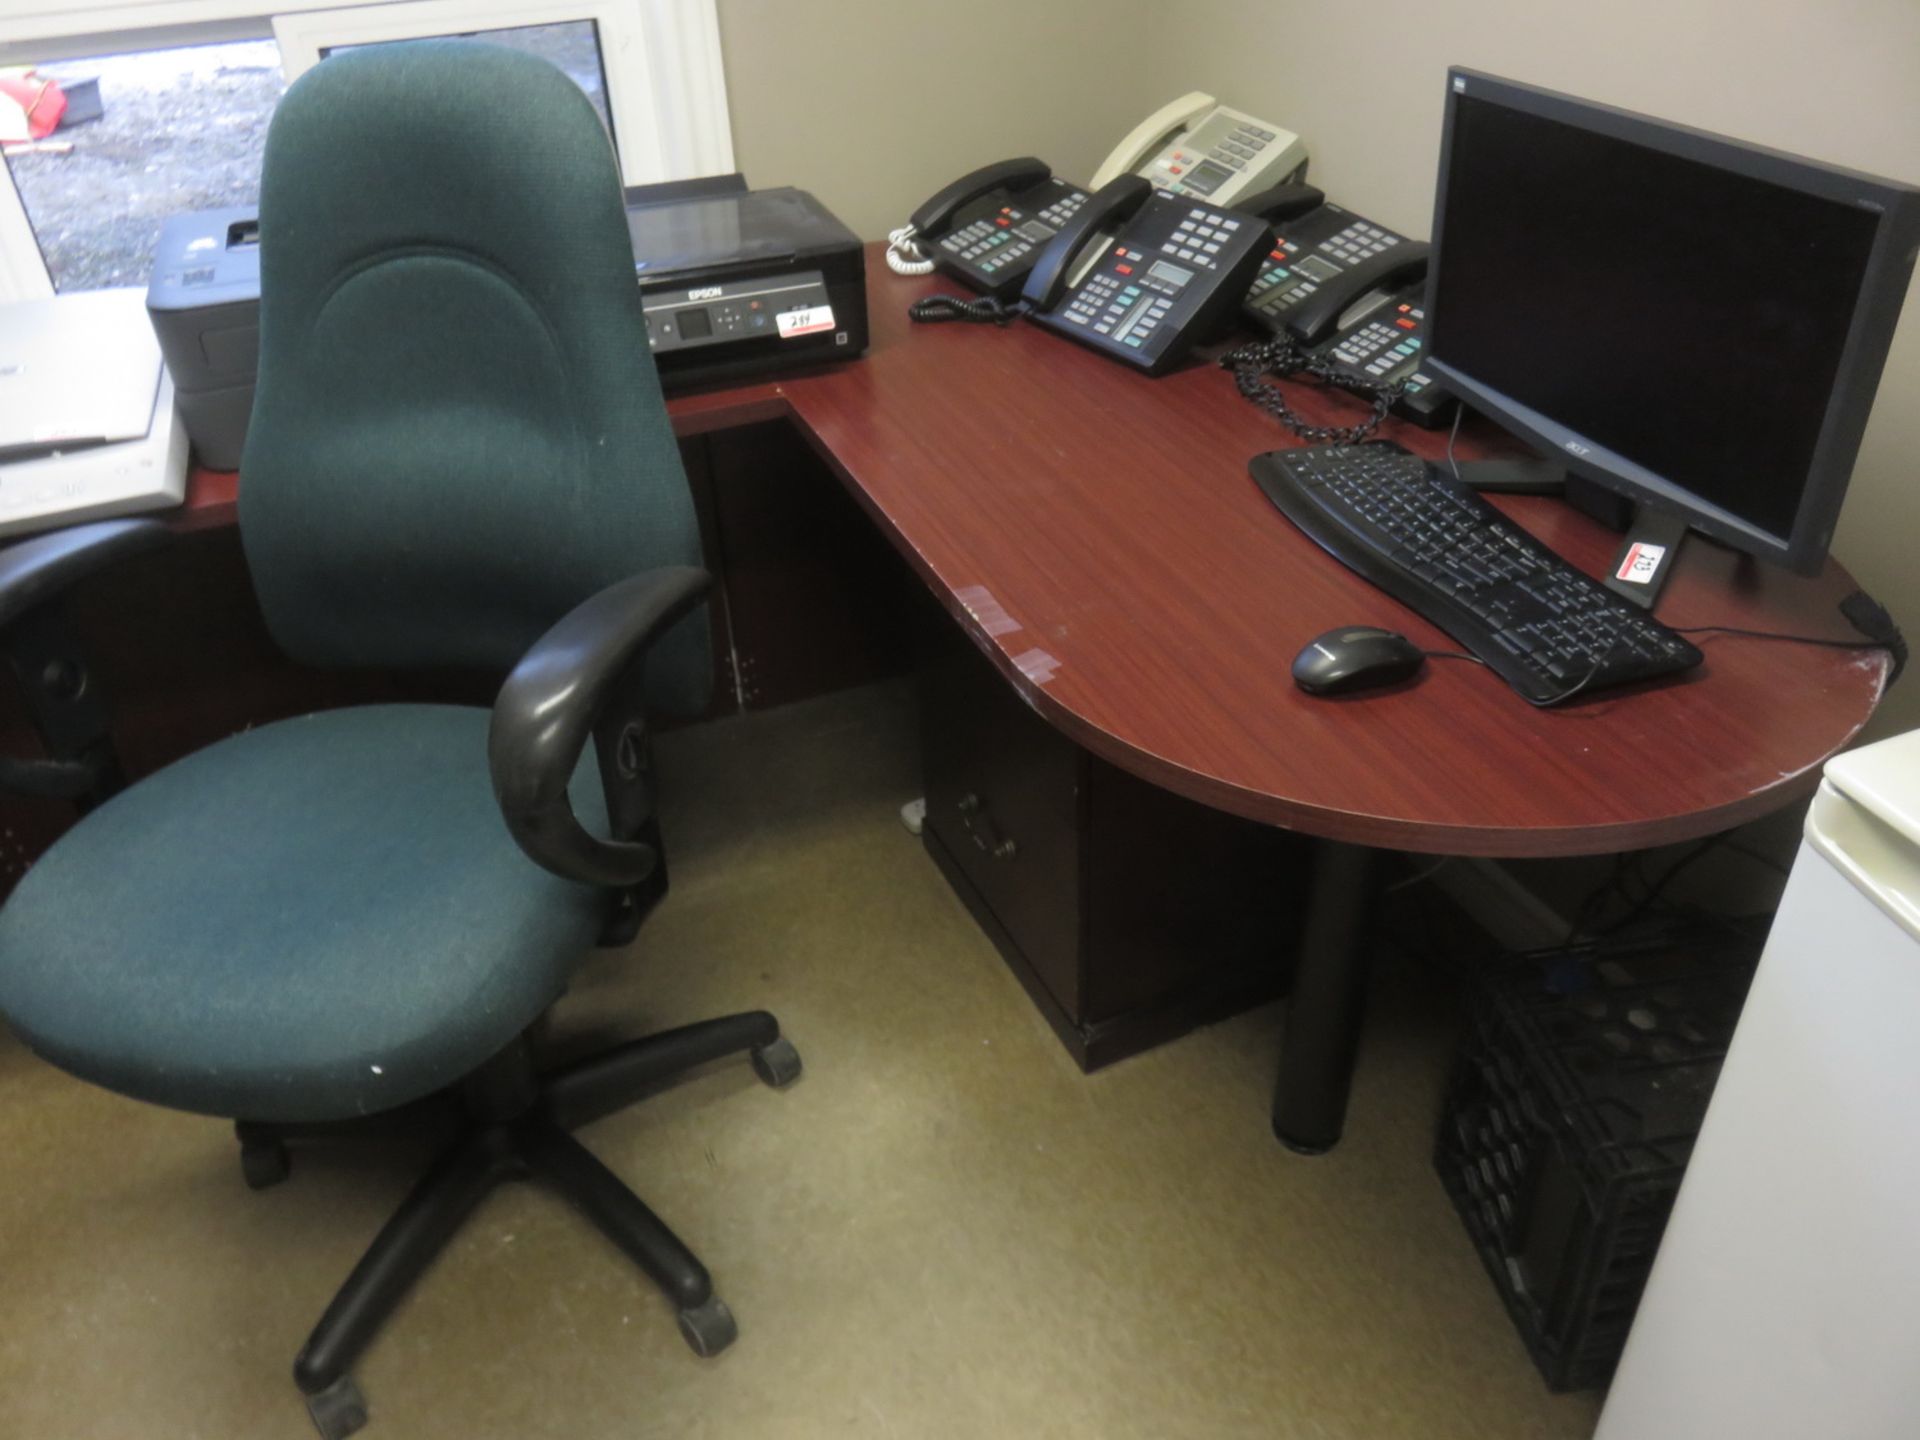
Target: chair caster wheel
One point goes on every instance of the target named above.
(709, 1328)
(778, 1064)
(265, 1163)
(338, 1410)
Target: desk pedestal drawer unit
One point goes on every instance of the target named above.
(1129, 914)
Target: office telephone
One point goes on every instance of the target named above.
(1383, 342)
(1140, 275)
(1345, 297)
(1196, 146)
(1320, 264)
(987, 228)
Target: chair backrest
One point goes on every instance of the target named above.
(457, 432)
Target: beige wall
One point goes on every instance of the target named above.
(873, 105)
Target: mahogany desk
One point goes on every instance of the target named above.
(1096, 534)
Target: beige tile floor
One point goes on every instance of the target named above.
(944, 1230)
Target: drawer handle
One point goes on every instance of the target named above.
(980, 826)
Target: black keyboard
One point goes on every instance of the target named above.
(1427, 540)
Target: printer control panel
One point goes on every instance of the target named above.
(783, 307)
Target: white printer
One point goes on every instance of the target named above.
(87, 423)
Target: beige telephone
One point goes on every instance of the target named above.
(1196, 146)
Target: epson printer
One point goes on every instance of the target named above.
(740, 282)
(734, 282)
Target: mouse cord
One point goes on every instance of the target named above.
(1571, 691)
(1566, 694)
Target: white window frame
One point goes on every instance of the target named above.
(666, 90)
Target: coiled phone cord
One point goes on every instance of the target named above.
(985, 310)
(1251, 364)
(904, 256)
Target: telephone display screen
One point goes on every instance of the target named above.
(1205, 177)
(1686, 316)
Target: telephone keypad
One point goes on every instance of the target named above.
(1387, 349)
(1174, 267)
(1295, 268)
(1198, 238)
(998, 246)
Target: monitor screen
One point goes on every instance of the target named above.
(1684, 318)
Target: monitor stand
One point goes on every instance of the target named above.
(1653, 537)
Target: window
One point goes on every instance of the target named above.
(571, 46)
(179, 129)
(184, 106)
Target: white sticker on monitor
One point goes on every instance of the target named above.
(804, 322)
(1641, 563)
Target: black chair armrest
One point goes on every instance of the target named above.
(67, 711)
(35, 571)
(547, 711)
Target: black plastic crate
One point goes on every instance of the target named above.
(1567, 1124)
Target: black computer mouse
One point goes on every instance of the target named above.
(1355, 657)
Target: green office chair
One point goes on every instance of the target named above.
(459, 457)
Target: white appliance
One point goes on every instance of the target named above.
(1784, 1302)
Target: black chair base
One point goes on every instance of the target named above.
(517, 1127)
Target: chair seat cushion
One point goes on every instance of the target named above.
(320, 918)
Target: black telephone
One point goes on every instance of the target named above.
(987, 228)
(1382, 341)
(1139, 275)
(1348, 292)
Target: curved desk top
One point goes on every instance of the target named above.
(1097, 535)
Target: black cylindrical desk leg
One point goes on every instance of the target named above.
(1328, 1003)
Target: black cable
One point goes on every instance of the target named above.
(1572, 690)
(1699, 852)
(1597, 898)
(1631, 865)
(1759, 857)
(1251, 364)
(1837, 644)
(1563, 695)
(1895, 644)
(985, 310)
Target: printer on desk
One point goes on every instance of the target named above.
(740, 282)
(204, 300)
(734, 282)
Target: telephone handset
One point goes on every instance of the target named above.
(987, 226)
(1196, 146)
(1010, 175)
(1321, 263)
(1320, 314)
(1139, 274)
(1288, 200)
(1111, 203)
